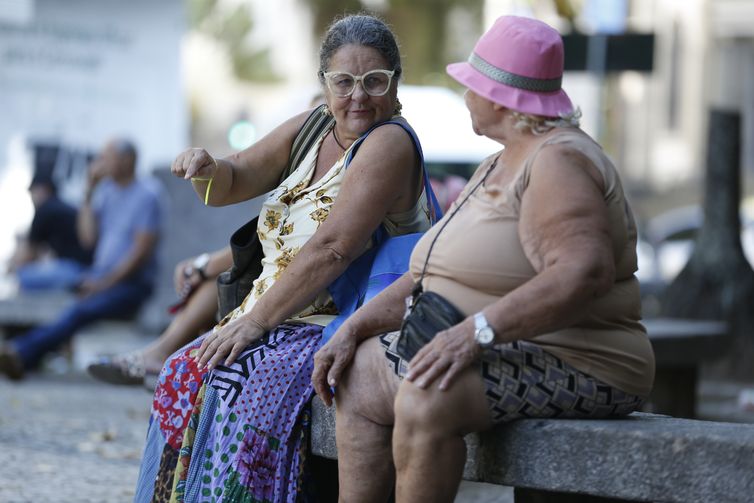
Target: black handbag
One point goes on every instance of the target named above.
(235, 284)
(429, 313)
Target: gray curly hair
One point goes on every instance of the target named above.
(360, 29)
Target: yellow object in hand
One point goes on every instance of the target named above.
(209, 186)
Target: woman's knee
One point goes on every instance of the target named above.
(418, 409)
(459, 410)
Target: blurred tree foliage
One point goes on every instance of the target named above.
(231, 28)
(420, 25)
(324, 11)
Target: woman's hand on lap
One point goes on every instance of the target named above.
(225, 343)
(446, 356)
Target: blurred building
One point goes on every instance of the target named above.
(73, 74)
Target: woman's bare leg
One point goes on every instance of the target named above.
(428, 447)
(196, 317)
(364, 418)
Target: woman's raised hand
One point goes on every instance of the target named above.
(194, 163)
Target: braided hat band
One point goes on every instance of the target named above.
(511, 79)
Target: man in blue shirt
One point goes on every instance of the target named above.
(120, 221)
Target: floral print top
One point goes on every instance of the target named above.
(292, 213)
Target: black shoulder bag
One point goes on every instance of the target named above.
(235, 284)
(428, 313)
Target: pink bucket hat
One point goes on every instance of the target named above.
(518, 63)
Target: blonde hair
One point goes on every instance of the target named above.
(539, 124)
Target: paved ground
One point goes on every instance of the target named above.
(69, 439)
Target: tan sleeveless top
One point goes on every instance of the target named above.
(291, 215)
(479, 258)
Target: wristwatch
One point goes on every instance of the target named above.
(200, 264)
(483, 333)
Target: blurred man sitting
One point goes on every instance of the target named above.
(50, 256)
(119, 220)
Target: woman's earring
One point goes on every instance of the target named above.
(398, 107)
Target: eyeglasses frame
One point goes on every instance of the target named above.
(359, 79)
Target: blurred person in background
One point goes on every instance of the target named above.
(50, 256)
(538, 255)
(242, 390)
(120, 221)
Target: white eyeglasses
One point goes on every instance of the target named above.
(374, 83)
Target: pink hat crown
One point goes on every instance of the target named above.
(517, 63)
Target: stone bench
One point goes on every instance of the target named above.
(643, 457)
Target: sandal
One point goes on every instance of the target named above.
(10, 363)
(125, 369)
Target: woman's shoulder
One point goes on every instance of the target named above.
(296, 122)
(564, 149)
(392, 128)
(566, 139)
(395, 132)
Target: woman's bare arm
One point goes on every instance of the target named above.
(377, 181)
(242, 176)
(565, 234)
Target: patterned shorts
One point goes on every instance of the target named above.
(522, 380)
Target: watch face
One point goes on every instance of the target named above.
(485, 336)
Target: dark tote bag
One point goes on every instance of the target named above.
(235, 284)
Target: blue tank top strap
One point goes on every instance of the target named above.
(435, 211)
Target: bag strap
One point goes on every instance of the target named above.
(318, 122)
(418, 286)
(435, 211)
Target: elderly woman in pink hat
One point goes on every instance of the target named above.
(537, 256)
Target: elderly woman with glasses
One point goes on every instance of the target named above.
(537, 257)
(230, 415)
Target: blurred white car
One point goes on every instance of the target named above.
(667, 241)
(452, 151)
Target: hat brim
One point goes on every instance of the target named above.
(551, 104)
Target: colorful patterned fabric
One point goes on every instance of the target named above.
(174, 399)
(522, 380)
(176, 391)
(247, 438)
(245, 434)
